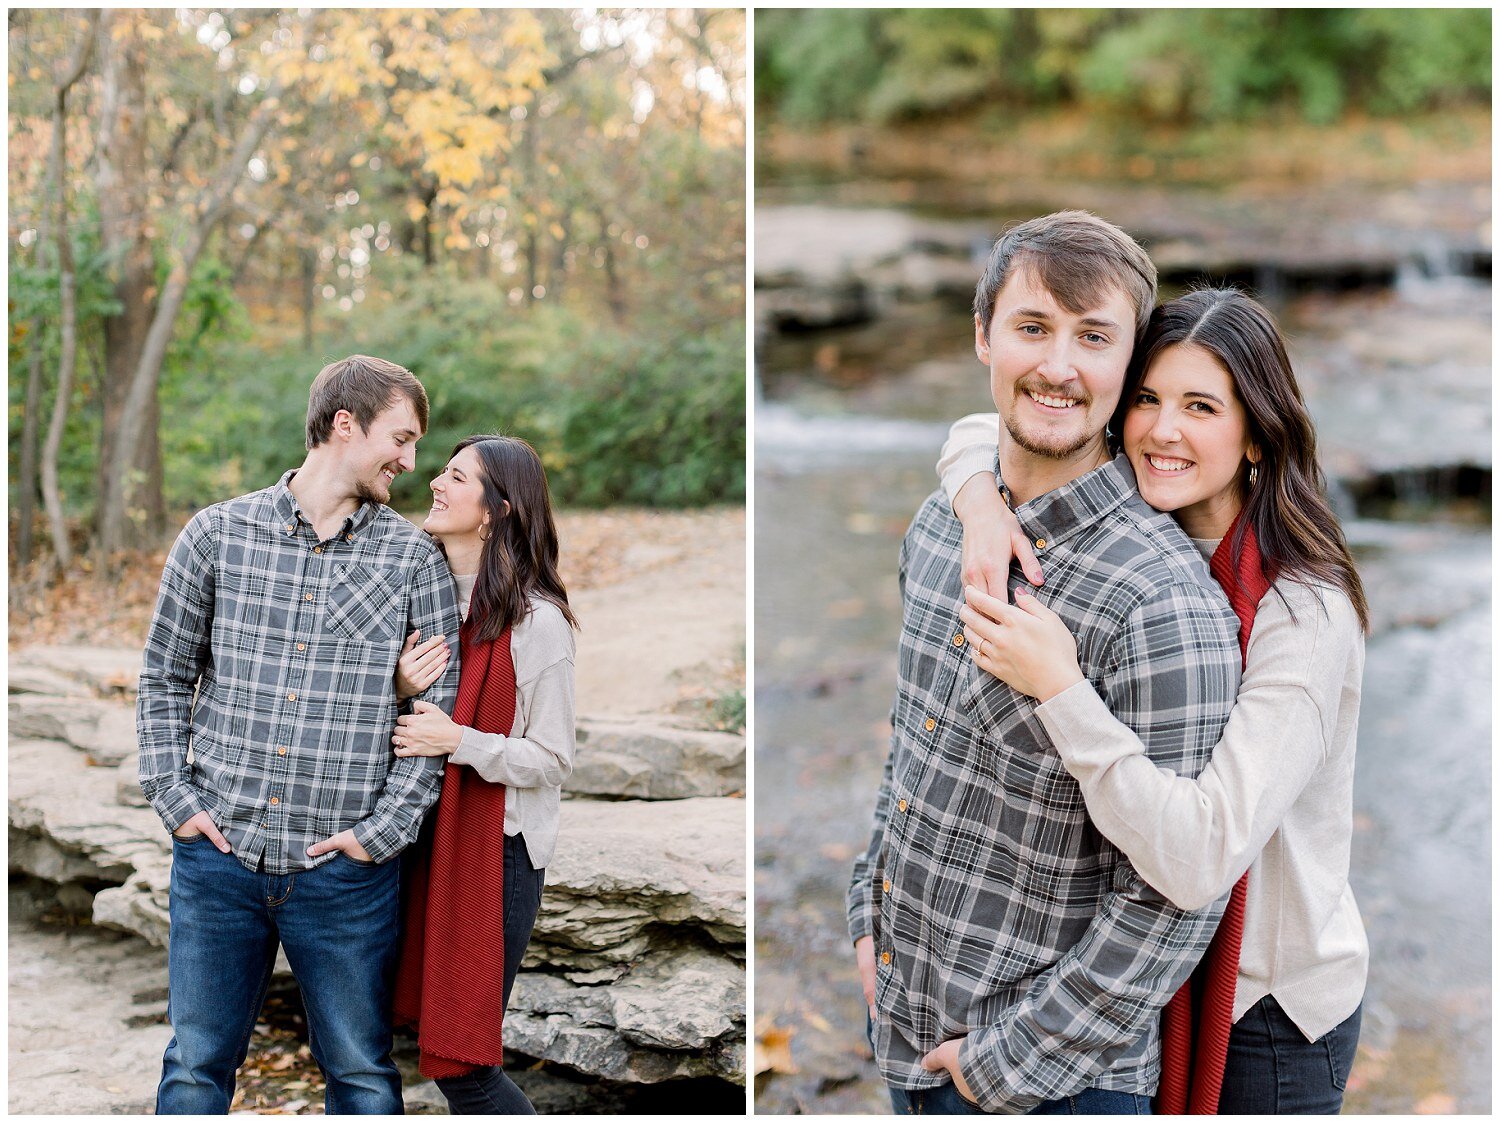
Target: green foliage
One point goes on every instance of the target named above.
(729, 711)
(35, 307)
(1176, 64)
(653, 416)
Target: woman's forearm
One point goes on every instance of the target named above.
(541, 753)
(1191, 838)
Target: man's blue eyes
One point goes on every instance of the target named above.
(1035, 330)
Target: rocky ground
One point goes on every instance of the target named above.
(633, 995)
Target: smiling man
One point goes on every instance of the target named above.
(1012, 958)
(266, 707)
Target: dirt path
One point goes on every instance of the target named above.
(671, 628)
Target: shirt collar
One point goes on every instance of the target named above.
(1057, 515)
(289, 512)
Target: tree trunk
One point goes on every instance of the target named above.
(309, 256)
(560, 259)
(123, 193)
(137, 419)
(614, 293)
(429, 251)
(68, 359)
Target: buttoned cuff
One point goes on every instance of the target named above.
(381, 838)
(176, 804)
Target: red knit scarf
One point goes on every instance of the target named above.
(451, 974)
(1195, 1023)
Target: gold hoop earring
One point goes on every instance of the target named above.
(483, 537)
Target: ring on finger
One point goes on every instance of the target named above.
(982, 653)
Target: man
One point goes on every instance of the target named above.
(286, 610)
(1010, 955)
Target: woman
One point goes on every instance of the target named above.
(476, 882)
(1216, 430)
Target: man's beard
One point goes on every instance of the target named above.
(1052, 451)
(366, 493)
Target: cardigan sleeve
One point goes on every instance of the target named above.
(1191, 839)
(969, 450)
(540, 753)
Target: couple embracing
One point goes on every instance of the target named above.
(308, 647)
(1111, 844)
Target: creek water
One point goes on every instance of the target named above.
(847, 430)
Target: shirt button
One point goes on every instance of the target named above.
(274, 801)
(901, 805)
(292, 697)
(288, 528)
(307, 596)
(885, 957)
(930, 724)
(887, 885)
(281, 750)
(958, 640)
(317, 549)
(348, 538)
(302, 647)
(1041, 543)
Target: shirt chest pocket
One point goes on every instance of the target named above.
(1010, 735)
(363, 605)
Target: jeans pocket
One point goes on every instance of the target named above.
(1340, 1044)
(190, 840)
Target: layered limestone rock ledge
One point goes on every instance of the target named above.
(635, 972)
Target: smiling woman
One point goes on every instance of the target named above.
(1188, 439)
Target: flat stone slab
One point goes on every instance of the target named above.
(103, 670)
(85, 1015)
(104, 730)
(624, 871)
(650, 759)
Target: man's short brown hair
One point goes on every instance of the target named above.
(1077, 257)
(366, 387)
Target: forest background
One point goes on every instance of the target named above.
(541, 213)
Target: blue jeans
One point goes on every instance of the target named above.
(1273, 1070)
(488, 1090)
(945, 1100)
(338, 924)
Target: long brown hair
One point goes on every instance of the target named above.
(1298, 534)
(519, 558)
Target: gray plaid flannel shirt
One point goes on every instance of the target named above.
(291, 644)
(999, 913)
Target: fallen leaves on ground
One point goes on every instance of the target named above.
(773, 1046)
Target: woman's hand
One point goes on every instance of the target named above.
(420, 667)
(1025, 645)
(427, 731)
(992, 537)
